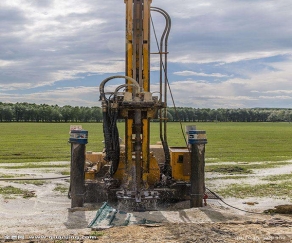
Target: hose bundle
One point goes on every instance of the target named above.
(111, 137)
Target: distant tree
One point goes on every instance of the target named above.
(172, 112)
(67, 113)
(190, 114)
(86, 114)
(182, 114)
(273, 117)
(96, 114)
(6, 113)
(169, 116)
(77, 116)
(56, 114)
(19, 110)
(288, 115)
(53, 113)
(205, 115)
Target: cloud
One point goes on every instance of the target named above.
(60, 96)
(230, 31)
(263, 89)
(278, 92)
(67, 39)
(239, 50)
(191, 73)
(276, 97)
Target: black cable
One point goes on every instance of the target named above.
(111, 135)
(170, 91)
(231, 205)
(106, 132)
(238, 208)
(115, 142)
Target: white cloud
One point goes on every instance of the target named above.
(224, 58)
(277, 92)
(73, 96)
(264, 89)
(44, 44)
(57, 40)
(4, 63)
(191, 73)
(276, 97)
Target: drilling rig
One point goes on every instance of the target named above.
(131, 173)
(136, 169)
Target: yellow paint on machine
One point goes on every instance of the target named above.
(180, 163)
(150, 178)
(96, 158)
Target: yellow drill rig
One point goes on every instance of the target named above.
(132, 173)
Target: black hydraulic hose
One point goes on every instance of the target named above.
(118, 88)
(107, 135)
(110, 130)
(115, 144)
(111, 138)
(164, 40)
(102, 84)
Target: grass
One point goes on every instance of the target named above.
(61, 188)
(243, 168)
(248, 141)
(283, 177)
(232, 169)
(33, 142)
(281, 190)
(227, 177)
(227, 141)
(34, 166)
(4, 176)
(9, 192)
(34, 182)
(96, 233)
(8, 176)
(65, 172)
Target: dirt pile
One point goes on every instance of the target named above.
(246, 231)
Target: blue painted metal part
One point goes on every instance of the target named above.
(198, 141)
(193, 137)
(78, 136)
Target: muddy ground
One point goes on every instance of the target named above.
(46, 217)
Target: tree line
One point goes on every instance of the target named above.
(26, 112)
(229, 115)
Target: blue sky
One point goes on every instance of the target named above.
(223, 53)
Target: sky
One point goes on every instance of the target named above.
(222, 53)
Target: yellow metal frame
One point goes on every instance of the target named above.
(149, 178)
(130, 56)
(180, 163)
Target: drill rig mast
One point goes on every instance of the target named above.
(136, 169)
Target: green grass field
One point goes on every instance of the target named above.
(249, 142)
